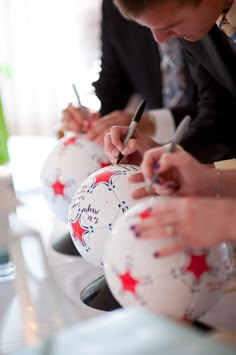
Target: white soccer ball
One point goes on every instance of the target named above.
(182, 286)
(73, 159)
(97, 205)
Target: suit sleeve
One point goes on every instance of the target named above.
(211, 136)
(113, 88)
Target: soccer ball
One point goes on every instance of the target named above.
(182, 286)
(73, 159)
(97, 205)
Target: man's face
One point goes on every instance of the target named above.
(189, 22)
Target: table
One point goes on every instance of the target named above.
(130, 332)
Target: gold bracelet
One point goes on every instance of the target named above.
(219, 183)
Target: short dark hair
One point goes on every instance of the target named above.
(133, 8)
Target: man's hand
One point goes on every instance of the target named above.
(133, 151)
(118, 118)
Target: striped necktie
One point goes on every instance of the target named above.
(227, 27)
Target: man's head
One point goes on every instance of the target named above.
(189, 19)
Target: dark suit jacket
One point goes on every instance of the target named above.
(213, 65)
(131, 64)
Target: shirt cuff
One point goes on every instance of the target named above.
(164, 125)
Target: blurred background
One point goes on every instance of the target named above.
(45, 46)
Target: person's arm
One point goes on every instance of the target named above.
(211, 136)
(113, 88)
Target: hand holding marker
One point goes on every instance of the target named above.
(78, 98)
(176, 139)
(133, 125)
(86, 124)
(60, 131)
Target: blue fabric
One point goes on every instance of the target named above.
(224, 22)
(173, 74)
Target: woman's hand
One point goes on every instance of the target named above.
(178, 173)
(189, 223)
(77, 120)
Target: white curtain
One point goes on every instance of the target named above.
(48, 44)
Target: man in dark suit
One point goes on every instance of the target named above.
(212, 58)
(130, 65)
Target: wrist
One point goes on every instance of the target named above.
(216, 183)
(228, 216)
(152, 123)
(212, 183)
(219, 183)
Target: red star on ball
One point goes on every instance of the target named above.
(103, 164)
(104, 177)
(58, 188)
(197, 265)
(69, 141)
(79, 231)
(129, 283)
(186, 319)
(145, 214)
